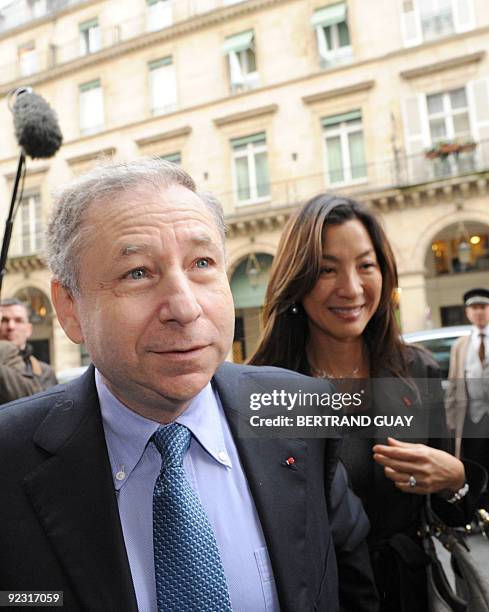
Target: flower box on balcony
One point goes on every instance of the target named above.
(443, 149)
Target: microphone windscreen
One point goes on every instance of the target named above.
(36, 126)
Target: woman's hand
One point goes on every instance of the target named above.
(434, 470)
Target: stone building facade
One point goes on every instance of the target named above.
(266, 103)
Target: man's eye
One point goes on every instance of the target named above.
(137, 274)
(203, 262)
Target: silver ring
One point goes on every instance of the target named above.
(412, 482)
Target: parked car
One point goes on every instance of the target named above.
(439, 342)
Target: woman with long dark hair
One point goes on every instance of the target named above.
(330, 312)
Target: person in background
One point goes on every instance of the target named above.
(467, 401)
(15, 382)
(16, 327)
(329, 312)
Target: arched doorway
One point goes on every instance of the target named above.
(41, 314)
(457, 260)
(249, 283)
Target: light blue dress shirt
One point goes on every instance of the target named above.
(213, 469)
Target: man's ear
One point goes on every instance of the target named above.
(65, 307)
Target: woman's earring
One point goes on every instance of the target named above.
(294, 309)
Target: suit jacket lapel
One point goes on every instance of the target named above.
(464, 348)
(279, 491)
(73, 495)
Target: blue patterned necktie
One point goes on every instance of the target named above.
(188, 568)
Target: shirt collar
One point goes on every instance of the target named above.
(127, 433)
(476, 331)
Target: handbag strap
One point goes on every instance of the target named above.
(432, 527)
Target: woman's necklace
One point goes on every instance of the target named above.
(322, 374)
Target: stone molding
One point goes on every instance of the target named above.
(338, 92)
(454, 62)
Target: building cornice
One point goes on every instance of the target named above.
(427, 194)
(53, 16)
(250, 222)
(216, 16)
(25, 264)
(249, 114)
(29, 172)
(338, 92)
(91, 156)
(162, 136)
(454, 62)
(143, 40)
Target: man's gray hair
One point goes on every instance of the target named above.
(69, 226)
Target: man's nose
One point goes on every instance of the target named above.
(180, 303)
(349, 284)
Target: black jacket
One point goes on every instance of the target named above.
(395, 516)
(59, 521)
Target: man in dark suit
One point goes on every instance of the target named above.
(130, 488)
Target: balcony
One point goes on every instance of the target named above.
(400, 181)
(20, 12)
(167, 14)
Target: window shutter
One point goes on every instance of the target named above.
(417, 136)
(163, 86)
(463, 15)
(322, 43)
(169, 82)
(159, 14)
(410, 23)
(478, 98)
(94, 39)
(235, 70)
(91, 106)
(96, 107)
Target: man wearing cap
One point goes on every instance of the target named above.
(467, 402)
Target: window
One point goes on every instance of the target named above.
(158, 14)
(332, 34)
(163, 86)
(89, 37)
(424, 20)
(91, 107)
(240, 50)
(436, 18)
(345, 155)
(174, 158)
(28, 60)
(448, 118)
(251, 168)
(28, 231)
(38, 8)
(447, 132)
(448, 115)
